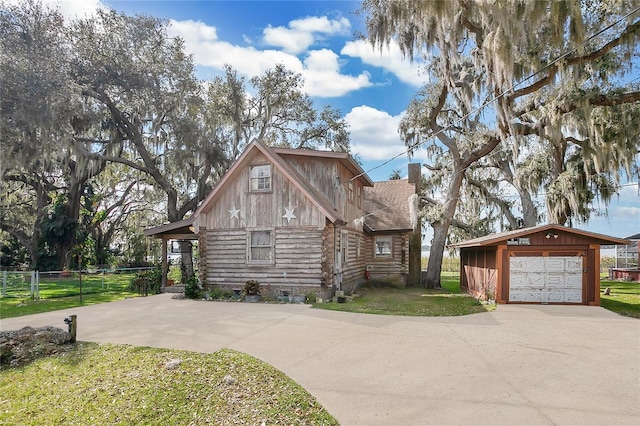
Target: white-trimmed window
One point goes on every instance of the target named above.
(260, 246)
(383, 246)
(260, 178)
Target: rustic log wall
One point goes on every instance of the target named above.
(394, 268)
(297, 267)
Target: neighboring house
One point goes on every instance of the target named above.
(627, 266)
(628, 256)
(302, 221)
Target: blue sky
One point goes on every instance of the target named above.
(318, 39)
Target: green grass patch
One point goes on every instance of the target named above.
(382, 300)
(64, 293)
(119, 384)
(624, 298)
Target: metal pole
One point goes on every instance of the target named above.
(80, 269)
(38, 285)
(4, 283)
(33, 283)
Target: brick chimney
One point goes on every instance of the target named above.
(415, 238)
(415, 175)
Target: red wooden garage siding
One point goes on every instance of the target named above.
(484, 262)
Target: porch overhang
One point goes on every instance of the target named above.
(180, 230)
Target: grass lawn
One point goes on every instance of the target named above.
(63, 293)
(624, 298)
(448, 301)
(119, 384)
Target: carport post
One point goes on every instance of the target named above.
(165, 269)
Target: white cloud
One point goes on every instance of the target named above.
(390, 59)
(302, 33)
(625, 212)
(193, 32)
(320, 69)
(323, 79)
(292, 41)
(374, 133)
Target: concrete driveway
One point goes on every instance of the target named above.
(537, 365)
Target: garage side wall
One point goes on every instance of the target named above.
(479, 273)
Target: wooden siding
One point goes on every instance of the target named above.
(298, 259)
(479, 273)
(262, 209)
(564, 239)
(306, 246)
(353, 269)
(321, 174)
(394, 268)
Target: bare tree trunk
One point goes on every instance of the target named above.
(434, 268)
(529, 211)
(441, 230)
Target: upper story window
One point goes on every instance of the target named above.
(350, 192)
(359, 195)
(260, 178)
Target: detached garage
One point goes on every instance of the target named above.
(544, 264)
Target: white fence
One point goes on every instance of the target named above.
(21, 284)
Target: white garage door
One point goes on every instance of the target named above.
(545, 279)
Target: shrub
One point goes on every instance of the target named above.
(218, 293)
(191, 288)
(311, 297)
(251, 288)
(148, 281)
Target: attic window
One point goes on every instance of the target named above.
(260, 178)
(383, 246)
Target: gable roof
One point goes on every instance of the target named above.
(386, 206)
(342, 157)
(495, 239)
(286, 169)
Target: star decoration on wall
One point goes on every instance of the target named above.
(289, 214)
(234, 212)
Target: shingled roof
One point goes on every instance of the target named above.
(387, 206)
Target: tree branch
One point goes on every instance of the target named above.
(629, 32)
(504, 207)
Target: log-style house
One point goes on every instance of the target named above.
(304, 221)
